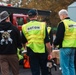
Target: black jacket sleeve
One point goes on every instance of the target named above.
(18, 39)
(23, 38)
(59, 34)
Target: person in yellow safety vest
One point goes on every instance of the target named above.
(34, 33)
(23, 58)
(50, 33)
(66, 39)
(49, 29)
(20, 56)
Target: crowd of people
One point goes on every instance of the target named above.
(38, 39)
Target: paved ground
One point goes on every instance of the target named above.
(28, 72)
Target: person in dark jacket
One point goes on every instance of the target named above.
(9, 42)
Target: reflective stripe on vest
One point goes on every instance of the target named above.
(70, 34)
(34, 32)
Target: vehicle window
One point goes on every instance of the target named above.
(20, 20)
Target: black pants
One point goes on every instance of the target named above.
(38, 62)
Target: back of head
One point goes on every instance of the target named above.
(63, 14)
(32, 13)
(63, 11)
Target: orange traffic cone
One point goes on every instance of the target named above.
(26, 61)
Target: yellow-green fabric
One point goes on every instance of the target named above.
(34, 32)
(19, 55)
(48, 29)
(70, 33)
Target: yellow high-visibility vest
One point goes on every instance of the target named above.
(19, 55)
(34, 32)
(70, 33)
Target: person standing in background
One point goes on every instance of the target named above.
(50, 34)
(66, 39)
(34, 33)
(9, 42)
(49, 30)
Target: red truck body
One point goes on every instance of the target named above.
(18, 20)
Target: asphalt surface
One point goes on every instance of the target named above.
(28, 71)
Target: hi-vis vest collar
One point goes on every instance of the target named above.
(34, 32)
(70, 33)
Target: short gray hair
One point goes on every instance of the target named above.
(63, 12)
